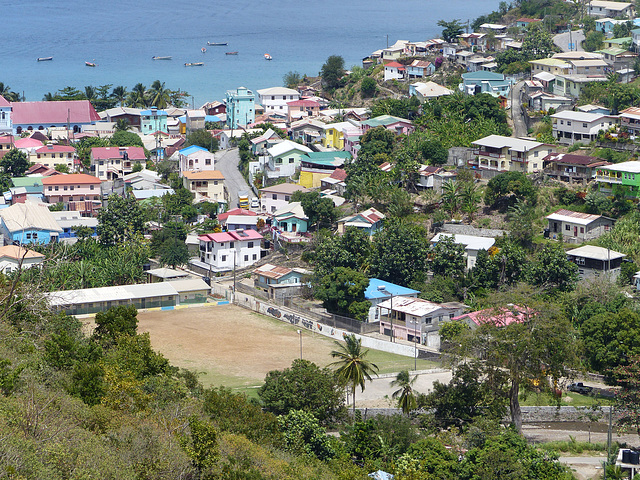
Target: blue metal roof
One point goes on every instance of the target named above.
(372, 291)
(150, 112)
(212, 118)
(192, 149)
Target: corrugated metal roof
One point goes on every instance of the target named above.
(580, 218)
(110, 294)
(29, 215)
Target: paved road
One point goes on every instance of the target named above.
(563, 41)
(227, 163)
(519, 127)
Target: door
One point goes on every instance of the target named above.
(575, 231)
(294, 227)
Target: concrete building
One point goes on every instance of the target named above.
(240, 107)
(279, 282)
(207, 185)
(51, 155)
(152, 121)
(78, 192)
(577, 227)
(112, 163)
(570, 127)
(500, 153)
(275, 100)
(472, 245)
(378, 291)
(14, 258)
(225, 251)
(278, 196)
(621, 178)
(603, 8)
(571, 168)
(595, 261)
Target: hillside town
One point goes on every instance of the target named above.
(468, 204)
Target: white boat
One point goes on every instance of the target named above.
(268, 57)
(161, 58)
(90, 64)
(217, 44)
(194, 64)
(44, 59)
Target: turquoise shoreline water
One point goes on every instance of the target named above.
(122, 36)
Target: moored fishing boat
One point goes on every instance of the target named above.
(231, 53)
(161, 58)
(268, 57)
(194, 64)
(217, 44)
(91, 64)
(44, 59)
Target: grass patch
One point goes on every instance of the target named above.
(570, 399)
(573, 446)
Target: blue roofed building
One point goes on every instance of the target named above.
(485, 82)
(241, 107)
(378, 291)
(152, 121)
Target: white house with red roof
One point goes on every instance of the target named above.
(71, 114)
(225, 250)
(28, 146)
(51, 155)
(394, 70)
(77, 192)
(5, 115)
(303, 108)
(111, 163)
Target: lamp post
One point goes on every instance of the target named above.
(383, 289)
(300, 335)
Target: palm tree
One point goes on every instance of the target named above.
(90, 94)
(138, 96)
(5, 91)
(451, 196)
(122, 124)
(120, 94)
(405, 395)
(160, 96)
(470, 200)
(353, 369)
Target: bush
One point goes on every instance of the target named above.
(368, 87)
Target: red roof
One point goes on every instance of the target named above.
(232, 236)
(573, 159)
(106, 153)
(236, 211)
(528, 20)
(339, 174)
(46, 113)
(51, 148)
(397, 65)
(72, 179)
(499, 318)
(4, 102)
(303, 103)
(27, 142)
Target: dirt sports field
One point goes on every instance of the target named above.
(235, 347)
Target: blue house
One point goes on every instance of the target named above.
(291, 218)
(370, 221)
(241, 107)
(279, 282)
(152, 121)
(378, 291)
(68, 220)
(29, 222)
(485, 82)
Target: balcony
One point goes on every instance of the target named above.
(608, 179)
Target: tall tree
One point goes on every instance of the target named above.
(159, 95)
(14, 163)
(319, 210)
(332, 72)
(10, 96)
(405, 395)
(342, 292)
(353, 368)
(450, 30)
(138, 97)
(119, 93)
(120, 220)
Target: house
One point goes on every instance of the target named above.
(589, 67)
(500, 317)
(400, 126)
(334, 183)
(369, 221)
(195, 120)
(275, 100)
(570, 127)
(195, 159)
(111, 163)
(635, 40)
(268, 139)
(315, 166)
(571, 168)
(291, 218)
(71, 114)
(572, 85)
(152, 121)
(307, 130)
(493, 27)
(485, 82)
(78, 192)
(462, 57)
(68, 221)
(240, 222)
(144, 180)
(378, 291)
(603, 8)
(577, 227)
(302, 108)
(619, 179)
(630, 118)
(51, 155)
(430, 177)
(32, 186)
(190, 290)
(334, 133)
(555, 66)
(158, 275)
(214, 108)
(240, 107)
(131, 115)
(595, 261)
(420, 69)
(5, 116)
(278, 196)
(279, 282)
(543, 101)
(476, 41)
(427, 90)
(415, 319)
(6, 142)
(28, 222)
(226, 251)
(605, 25)
(394, 71)
(207, 185)
(222, 217)
(472, 245)
(284, 158)
(14, 258)
(524, 22)
(589, 108)
(500, 153)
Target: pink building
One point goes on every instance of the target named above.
(303, 108)
(110, 163)
(78, 192)
(225, 250)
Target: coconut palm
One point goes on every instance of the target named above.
(120, 94)
(405, 394)
(470, 199)
(352, 367)
(5, 91)
(90, 93)
(451, 197)
(160, 96)
(122, 124)
(137, 98)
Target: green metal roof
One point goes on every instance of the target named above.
(384, 120)
(27, 182)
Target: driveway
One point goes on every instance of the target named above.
(519, 127)
(227, 163)
(569, 41)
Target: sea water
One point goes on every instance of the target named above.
(122, 36)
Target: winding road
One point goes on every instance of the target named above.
(227, 163)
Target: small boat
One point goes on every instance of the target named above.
(203, 50)
(217, 44)
(268, 57)
(231, 53)
(90, 64)
(161, 58)
(194, 64)
(44, 59)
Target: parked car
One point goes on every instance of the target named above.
(580, 388)
(255, 203)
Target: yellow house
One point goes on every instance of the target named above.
(315, 166)
(51, 155)
(334, 133)
(206, 185)
(554, 66)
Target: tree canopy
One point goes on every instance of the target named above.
(332, 72)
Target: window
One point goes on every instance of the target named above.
(279, 161)
(291, 160)
(286, 198)
(91, 187)
(567, 227)
(207, 161)
(274, 196)
(231, 244)
(56, 187)
(535, 154)
(71, 187)
(246, 258)
(222, 257)
(50, 188)
(250, 245)
(568, 123)
(581, 229)
(65, 188)
(280, 107)
(580, 260)
(255, 257)
(584, 125)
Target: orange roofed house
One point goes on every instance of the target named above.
(78, 192)
(207, 185)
